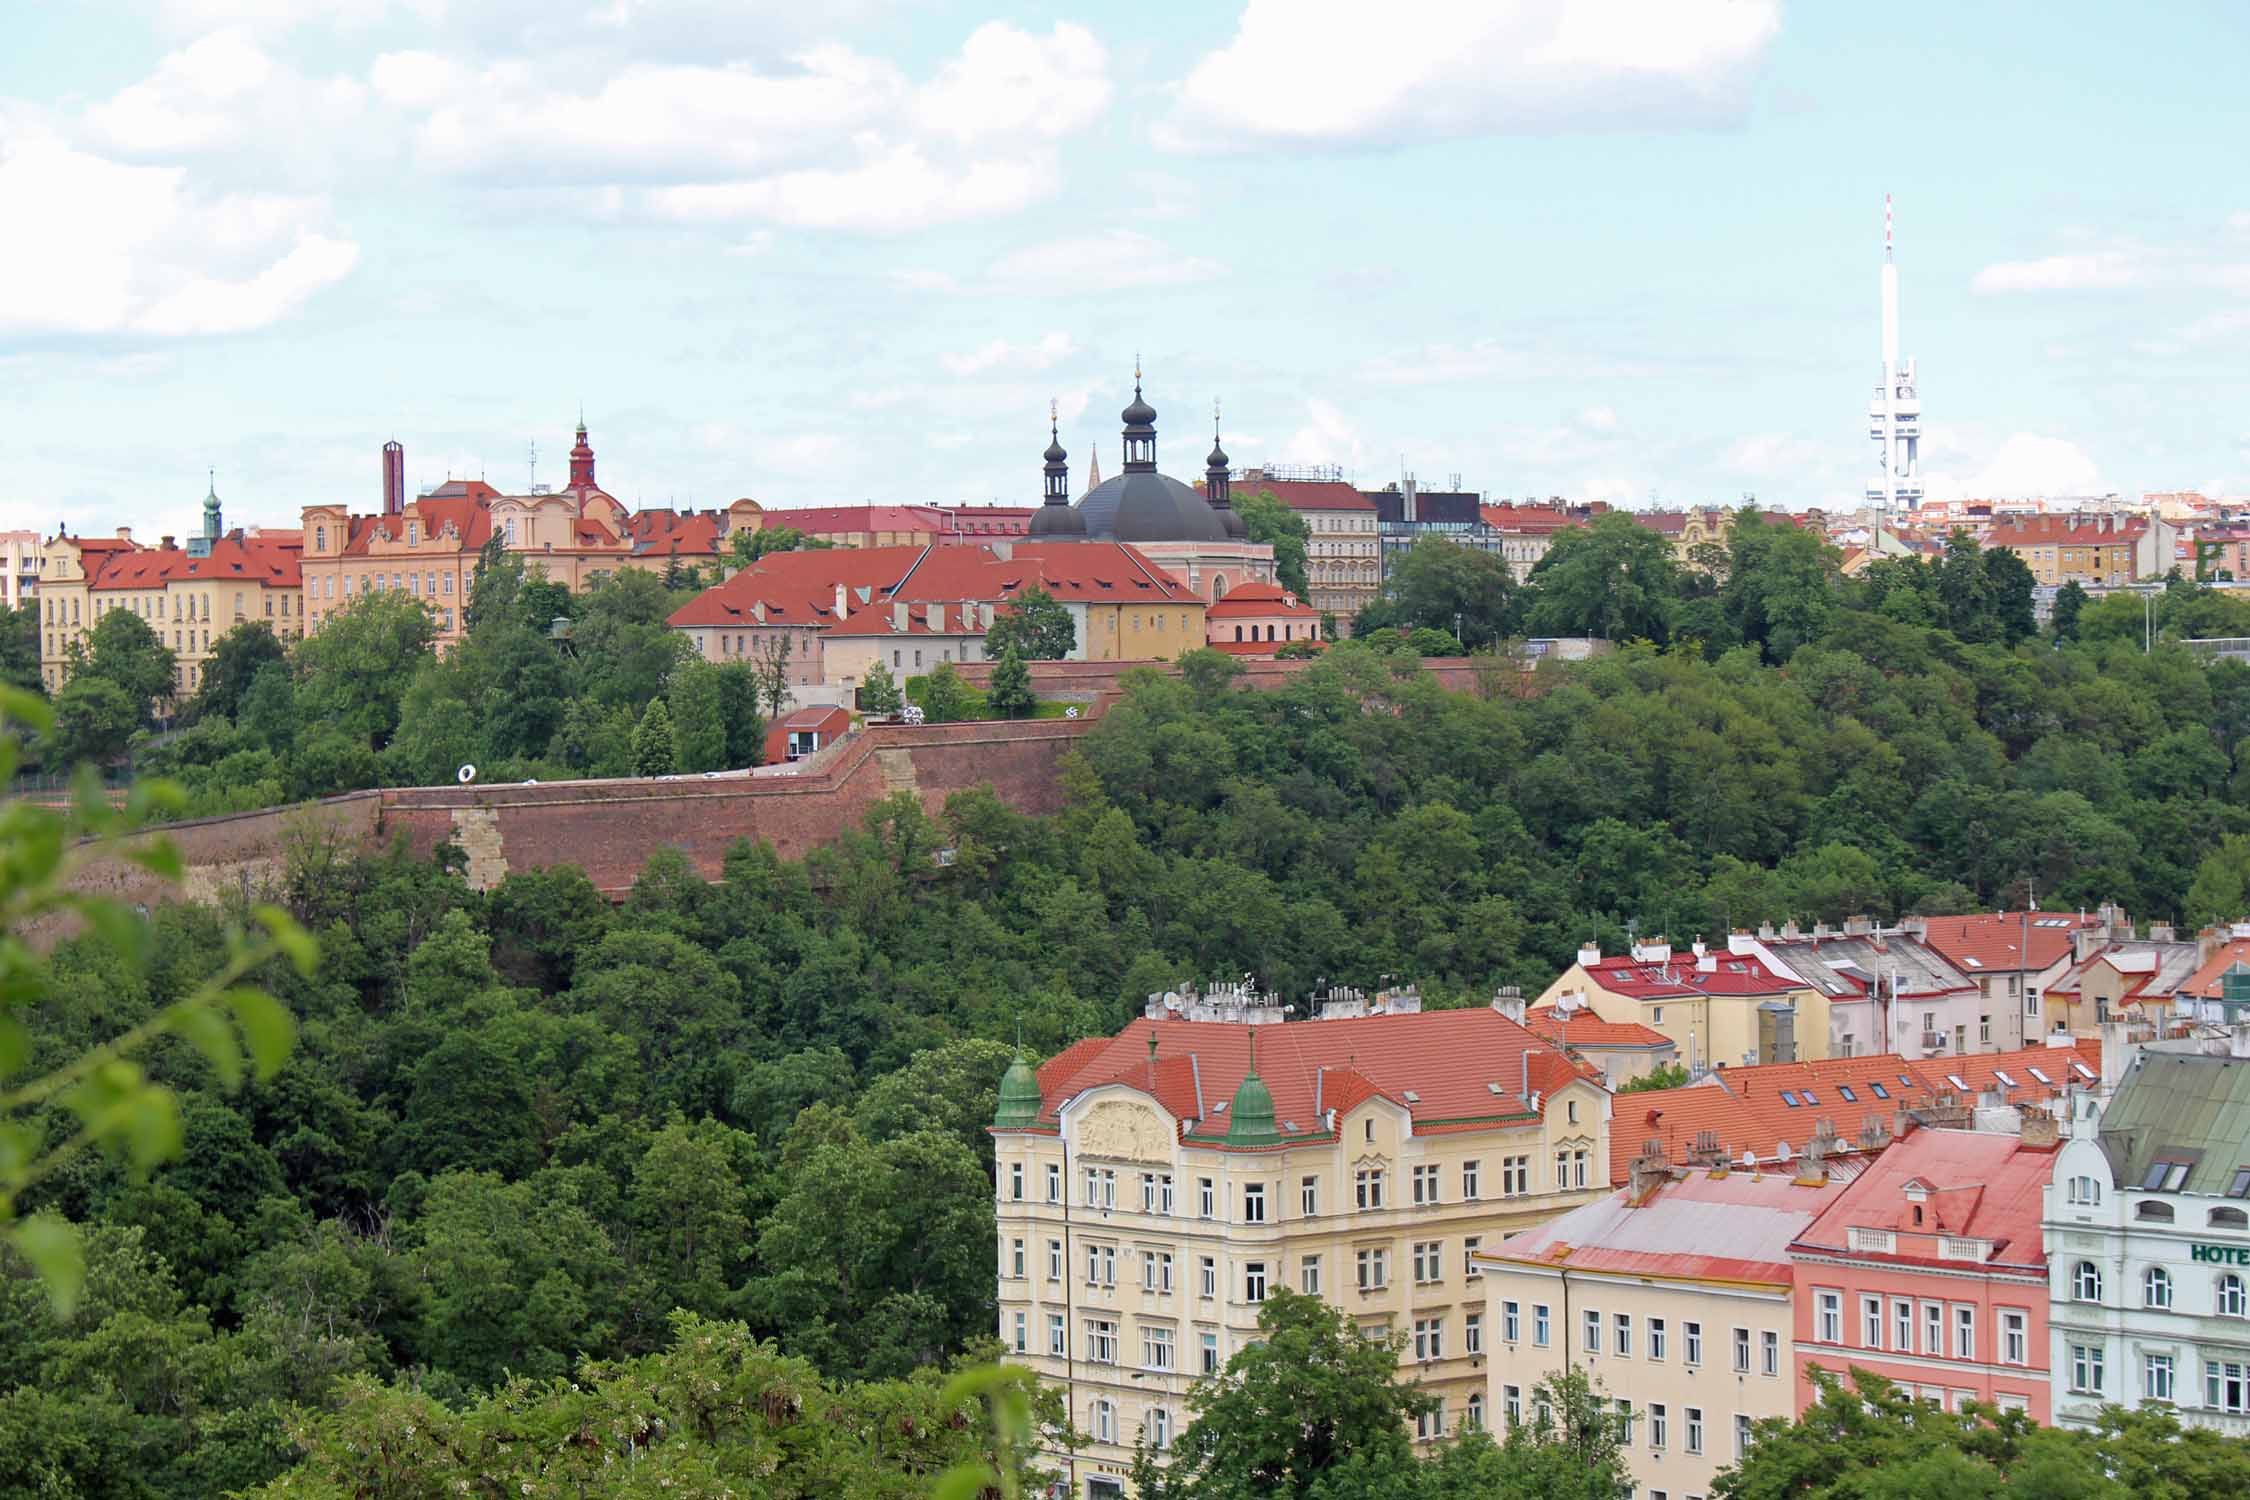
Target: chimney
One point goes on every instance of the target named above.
(898, 615)
(1765, 932)
(1508, 1001)
(1790, 932)
(843, 604)
(2118, 1052)
(1917, 928)
(1861, 925)
(394, 478)
(2086, 941)
(2207, 942)
(758, 610)
(1698, 948)
(1589, 955)
(124, 533)
(1740, 943)
(2162, 932)
(2041, 1130)
(166, 544)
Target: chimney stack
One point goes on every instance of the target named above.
(394, 478)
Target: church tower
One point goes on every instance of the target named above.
(582, 461)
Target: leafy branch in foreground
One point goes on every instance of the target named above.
(104, 1091)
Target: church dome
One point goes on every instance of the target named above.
(1019, 1103)
(1149, 507)
(1056, 521)
(1250, 1120)
(1140, 413)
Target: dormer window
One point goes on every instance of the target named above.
(413, 533)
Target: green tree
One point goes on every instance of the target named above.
(738, 711)
(944, 696)
(653, 745)
(2070, 602)
(94, 720)
(1464, 592)
(1035, 624)
(769, 669)
(1614, 579)
(1662, 1076)
(746, 547)
(354, 672)
(879, 695)
(1311, 1396)
(699, 730)
(19, 647)
(236, 659)
(2220, 891)
(1267, 520)
(1009, 692)
(625, 651)
(123, 649)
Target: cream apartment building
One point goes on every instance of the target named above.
(1155, 1186)
(1673, 1295)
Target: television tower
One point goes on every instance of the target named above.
(1894, 418)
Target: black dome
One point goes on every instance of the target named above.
(1145, 507)
(1057, 521)
(1054, 453)
(1140, 413)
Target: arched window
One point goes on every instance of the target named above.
(511, 534)
(2231, 1301)
(320, 539)
(2156, 1287)
(2151, 1209)
(2086, 1282)
(1238, 632)
(2229, 1218)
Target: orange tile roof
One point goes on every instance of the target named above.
(1988, 941)
(1759, 1109)
(1308, 494)
(1468, 1068)
(1975, 1185)
(269, 561)
(1582, 1028)
(2068, 531)
(2204, 983)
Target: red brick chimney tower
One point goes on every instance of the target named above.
(394, 478)
(582, 461)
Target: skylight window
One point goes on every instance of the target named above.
(1878, 1090)
(2081, 1069)
(2005, 1080)
(2051, 922)
(2043, 1078)
(1906, 1083)
(1789, 1098)
(1811, 1097)
(2240, 1187)
(2165, 1174)
(1845, 1089)
(1957, 1081)
(1975, 962)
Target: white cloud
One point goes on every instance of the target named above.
(148, 253)
(1598, 419)
(2024, 465)
(1340, 72)
(1000, 354)
(2101, 270)
(1008, 83)
(1776, 455)
(1114, 260)
(1326, 438)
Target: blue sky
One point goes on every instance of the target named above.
(1614, 249)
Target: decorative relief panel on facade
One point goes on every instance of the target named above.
(1130, 1132)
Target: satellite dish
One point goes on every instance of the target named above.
(465, 775)
(1071, 712)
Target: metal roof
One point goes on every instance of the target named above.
(2180, 1106)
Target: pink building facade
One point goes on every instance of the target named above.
(1928, 1270)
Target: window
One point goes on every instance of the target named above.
(1472, 1333)
(1828, 1317)
(1054, 1182)
(1054, 1260)
(1429, 1338)
(1593, 1332)
(1475, 1418)
(1101, 1340)
(1253, 1203)
(1148, 1192)
(1621, 1335)
(2086, 1282)
(1431, 1423)
(2086, 1369)
(1308, 1275)
(1055, 1335)
(2153, 1209)
(1511, 1403)
(1694, 1334)
(1769, 1352)
(2226, 1385)
(1984, 1028)
(1105, 1410)
(1742, 1351)
(1470, 1243)
(1374, 1270)
(1515, 1176)
(1101, 1187)
(2156, 1377)
(1695, 1429)
(1101, 1265)
(1015, 1181)
(2229, 1302)
(1207, 1203)
(1539, 1332)
(1428, 1261)
(1964, 1332)
(1015, 1259)
(1164, 1193)
(2083, 1190)
(1021, 1342)
(1156, 1270)
(2165, 1174)
(1659, 1424)
(1469, 1173)
(1308, 1197)
(1511, 1322)
(1369, 1182)
(1160, 1429)
(1210, 1343)
(1656, 1338)
(1741, 1435)
(1423, 1185)
(1156, 1348)
(2015, 1344)
(1902, 1326)
(2156, 1287)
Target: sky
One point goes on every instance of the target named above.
(1624, 250)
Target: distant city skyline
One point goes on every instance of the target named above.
(1619, 250)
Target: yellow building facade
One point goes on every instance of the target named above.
(1156, 1187)
(1715, 1005)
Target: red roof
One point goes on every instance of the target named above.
(1309, 494)
(1262, 648)
(1969, 1184)
(1760, 1109)
(270, 561)
(845, 518)
(1987, 941)
(1582, 1028)
(2069, 531)
(2204, 983)
(1531, 518)
(1262, 600)
(1708, 1226)
(1716, 973)
(1467, 1068)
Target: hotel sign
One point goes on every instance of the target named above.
(2220, 1255)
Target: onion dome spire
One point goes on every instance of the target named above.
(1055, 517)
(1215, 484)
(1250, 1120)
(1020, 1101)
(1140, 429)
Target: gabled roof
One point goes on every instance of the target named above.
(1989, 942)
(1977, 1185)
(2067, 531)
(269, 560)
(1844, 968)
(1683, 974)
(2205, 982)
(1763, 1108)
(1264, 600)
(1469, 1069)
(1729, 1226)
(1583, 1029)
(2182, 1107)
(2151, 971)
